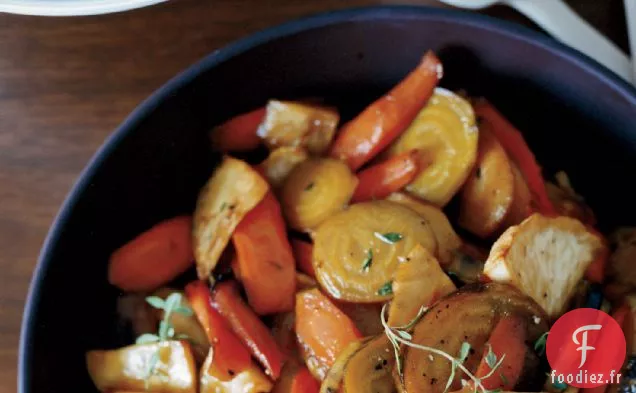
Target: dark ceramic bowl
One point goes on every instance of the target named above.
(576, 115)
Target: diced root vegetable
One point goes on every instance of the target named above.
(315, 190)
(153, 258)
(446, 135)
(280, 163)
(239, 133)
(232, 191)
(250, 380)
(545, 257)
(289, 123)
(521, 207)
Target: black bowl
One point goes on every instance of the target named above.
(576, 115)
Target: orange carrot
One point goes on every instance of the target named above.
(265, 260)
(230, 355)
(153, 258)
(321, 327)
(247, 325)
(515, 145)
(303, 252)
(508, 337)
(380, 180)
(382, 122)
(239, 133)
(304, 382)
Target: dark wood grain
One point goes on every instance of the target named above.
(66, 83)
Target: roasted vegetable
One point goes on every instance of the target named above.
(386, 177)
(231, 356)
(545, 258)
(296, 378)
(303, 252)
(515, 145)
(315, 190)
(298, 124)
(466, 316)
(366, 316)
(568, 202)
(488, 194)
(281, 162)
(445, 134)
(419, 282)
(232, 191)
(282, 328)
(153, 258)
(521, 207)
(304, 281)
(448, 242)
(369, 369)
(127, 369)
(251, 380)
(620, 270)
(385, 119)
(332, 382)
(357, 251)
(239, 133)
(248, 327)
(266, 264)
(323, 330)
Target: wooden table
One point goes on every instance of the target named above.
(66, 83)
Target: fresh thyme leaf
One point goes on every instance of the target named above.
(156, 302)
(451, 378)
(183, 310)
(405, 335)
(464, 350)
(147, 338)
(559, 386)
(389, 238)
(413, 321)
(164, 327)
(170, 332)
(366, 264)
(491, 358)
(539, 345)
(503, 379)
(386, 289)
(173, 301)
(309, 186)
(182, 337)
(152, 363)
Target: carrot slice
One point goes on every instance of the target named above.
(153, 258)
(264, 257)
(380, 180)
(513, 142)
(321, 327)
(303, 252)
(230, 355)
(508, 337)
(304, 382)
(380, 123)
(239, 133)
(247, 325)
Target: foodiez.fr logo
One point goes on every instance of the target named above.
(586, 349)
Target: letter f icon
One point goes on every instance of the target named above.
(584, 347)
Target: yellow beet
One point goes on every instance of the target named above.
(444, 132)
(280, 162)
(354, 257)
(315, 190)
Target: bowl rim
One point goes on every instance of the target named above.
(232, 49)
(72, 7)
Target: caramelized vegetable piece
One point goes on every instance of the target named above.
(304, 281)
(280, 163)
(357, 251)
(187, 325)
(297, 124)
(332, 382)
(127, 368)
(366, 316)
(296, 378)
(250, 329)
(231, 356)
(488, 194)
(448, 242)
(303, 252)
(315, 190)
(384, 120)
(545, 258)
(282, 328)
(250, 380)
(153, 258)
(380, 180)
(232, 191)
(239, 133)
(419, 282)
(521, 207)
(323, 331)
(567, 201)
(508, 338)
(264, 255)
(445, 134)
(515, 145)
(369, 369)
(468, 315)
